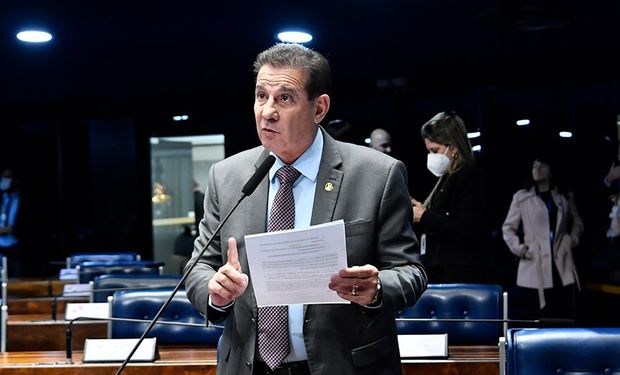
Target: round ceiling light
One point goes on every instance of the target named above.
(294, 37)
(34, 36)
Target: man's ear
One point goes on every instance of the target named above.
(321, 108)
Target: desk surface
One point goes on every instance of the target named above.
(462, 361)
(172, 361)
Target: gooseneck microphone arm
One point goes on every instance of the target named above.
(246, 191)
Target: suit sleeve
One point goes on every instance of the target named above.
(511, 226)
(197, 281)
(402, 275)
(576, 222)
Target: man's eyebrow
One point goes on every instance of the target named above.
(286, 89)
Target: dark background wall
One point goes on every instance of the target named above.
(86, 179)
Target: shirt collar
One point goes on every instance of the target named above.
(307, 164)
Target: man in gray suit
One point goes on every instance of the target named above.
(367, 189)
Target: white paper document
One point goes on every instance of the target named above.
(295, 266)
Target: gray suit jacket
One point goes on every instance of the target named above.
(370, 194)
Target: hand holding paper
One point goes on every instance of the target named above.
(356, 284)
(229, 282)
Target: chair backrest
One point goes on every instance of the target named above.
(75, 259)
(568, 351)
(144, 304)
(87, 271)
(122, 281)
(457, 301)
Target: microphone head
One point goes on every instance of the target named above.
(257, 177)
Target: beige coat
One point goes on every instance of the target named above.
(529, 211)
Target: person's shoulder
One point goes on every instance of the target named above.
(470, 174)
(364, 155)
(523, 194)
(247, 157)
(472, 169)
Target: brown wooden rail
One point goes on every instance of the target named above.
(462, 361)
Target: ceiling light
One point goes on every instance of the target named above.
(294, 37)
(566, 134)
(367, 141)
(34, 36)
(476, 148)
(523, 122)
(180, 118)
(473, 135)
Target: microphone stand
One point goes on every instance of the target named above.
(163, 307)
(69, 331)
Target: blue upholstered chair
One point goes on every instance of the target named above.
(104, 285)
(87, 271)
(457, 301)
(144, 304)
(568, 351)
(75, 259)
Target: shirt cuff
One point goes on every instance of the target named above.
(220, 308)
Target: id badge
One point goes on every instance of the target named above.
(423, 244)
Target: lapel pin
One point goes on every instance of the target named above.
(329, 186)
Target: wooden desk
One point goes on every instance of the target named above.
(41, 305)
(26, 333)
(462, 361)
(36, 287)
(172, 361)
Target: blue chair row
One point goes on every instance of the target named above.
(144, 304)
(568, 351)
(465, 303)
(105, 285)
(75, 259)
(87, 271)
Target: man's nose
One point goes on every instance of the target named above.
(270, 110)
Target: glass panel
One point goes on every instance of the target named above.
(179, 170)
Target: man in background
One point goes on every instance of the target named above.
(381, 140)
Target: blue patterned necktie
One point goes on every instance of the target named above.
(273, 343)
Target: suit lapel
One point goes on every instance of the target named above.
(256, 211)
(328, 182)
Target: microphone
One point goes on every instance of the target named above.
(257, 177)
(247, 189)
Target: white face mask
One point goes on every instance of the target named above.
(438, 163)
(5, 183)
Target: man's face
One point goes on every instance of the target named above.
(383, 143)
(286, 121)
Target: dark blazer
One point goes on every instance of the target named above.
(370, 195)
(456, 228)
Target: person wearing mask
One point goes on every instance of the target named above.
(381, 140)
(330, 180)
(9, 214)
(551, 227)
(451, 220)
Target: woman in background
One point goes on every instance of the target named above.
(541, 229)
(451, 221)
